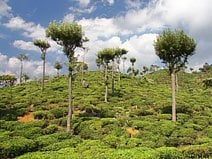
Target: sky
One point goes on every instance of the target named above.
(130, 24)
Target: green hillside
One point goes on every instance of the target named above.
(134, 124)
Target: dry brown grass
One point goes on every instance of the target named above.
(132, 131)
(26, 118)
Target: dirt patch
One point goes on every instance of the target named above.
(26, 118)
(132, 131)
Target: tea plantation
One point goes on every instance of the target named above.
(134, 124)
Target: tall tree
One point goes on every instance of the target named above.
(118, 54)
(132, 60)
(174, 48)
(69, 36)
(105, 56)
(43, 45)
(58, 66)
(22, 57)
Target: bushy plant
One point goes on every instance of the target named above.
(16, 146)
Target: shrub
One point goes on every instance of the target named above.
(89, 129)
(73, 142)
(197, 151)
(16, 146)
(59, 112)
(30, 133)
(43, 115)
(50, 129)
(169, 153)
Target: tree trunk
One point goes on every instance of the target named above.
(21, 73)
(44, 63)
(173, 96)
(82, 78)
(176, 82)
(58, 74)
(119, 76)
(113, 82)
(106, 83)
(69, 117)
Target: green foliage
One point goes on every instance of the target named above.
(100, 129)
(174, 48)
(16, 146)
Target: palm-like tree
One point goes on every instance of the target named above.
(43, 45)
(132, 60)
(22, 57)
(58, 66)
(105, 56)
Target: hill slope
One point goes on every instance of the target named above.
(135, 123)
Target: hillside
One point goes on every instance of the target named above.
(134, 124)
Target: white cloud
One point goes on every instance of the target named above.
(84, 3)
(32, 68)
(29, 46)
(69, 17)
(5, 9)
(141, 47)
(31, 30)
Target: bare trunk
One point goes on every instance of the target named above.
(44, 63)
(113, 82)
(82, 78)
(58, 74)
(119, 76)
(173, 97)
(106, 83)
(69, 117)
(21, 73)
(176, 82)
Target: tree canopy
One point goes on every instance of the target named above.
(174, 48)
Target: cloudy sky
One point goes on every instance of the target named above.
(129, 24)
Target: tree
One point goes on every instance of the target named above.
(118, 54)
(43, 45)
(25, 77)
(58, 66)
(22, 57)
(69, 36)
(105, 55)
(98, 63)
(132, 60)
(174, 48)
(145, 70)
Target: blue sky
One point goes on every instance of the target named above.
(130, 24)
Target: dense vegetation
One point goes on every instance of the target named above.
(135, 123)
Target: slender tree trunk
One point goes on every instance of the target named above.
(113, 82)
(21, 73)
(176, 82)
(173, 96)
(58, 74)
(82, 78)
(106, 83)
(119, 76)
(69, 117)
(133, 70)
(44, 63)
